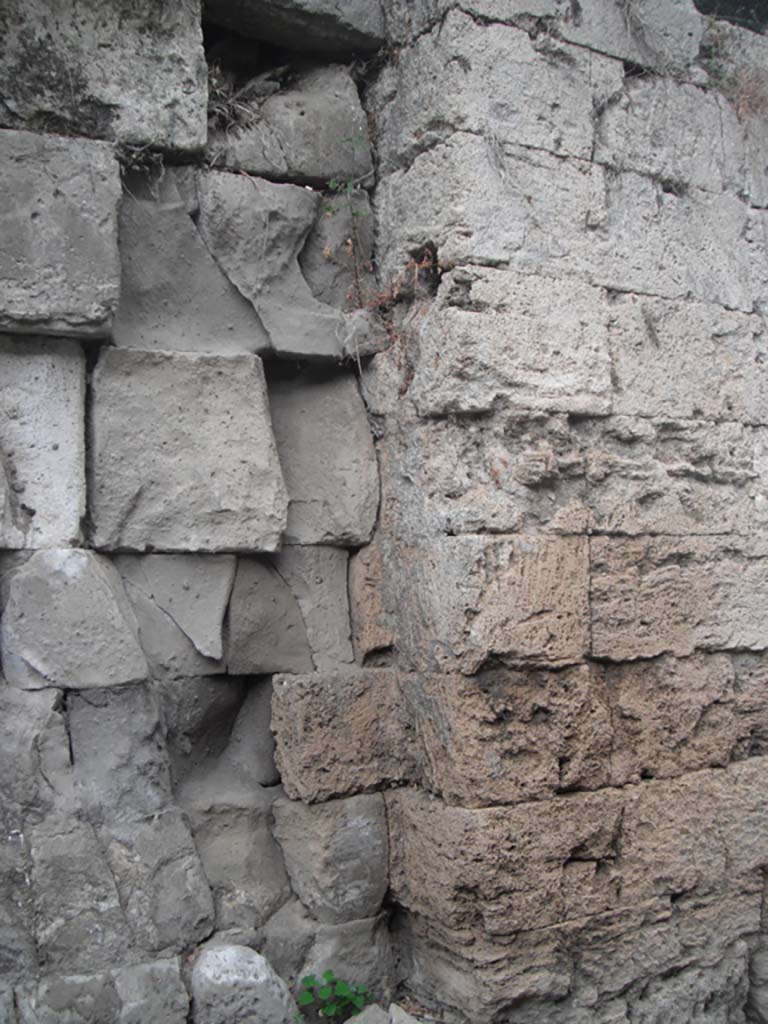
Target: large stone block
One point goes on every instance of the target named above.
(316, 26)
(661, 595)
(173, 294)
(232, 984)
(183, 457)
(310, 132)
(59, 263)
(361, 950)
(327, 454)
(559, 360)
(68, 623)
(179, 602)
(336, 854)
(42, 444)
(135, 75)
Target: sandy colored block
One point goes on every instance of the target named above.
(182, 454)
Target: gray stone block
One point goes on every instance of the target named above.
(360, 951)
(42, 444)
(315, 26)
(59, 263)
(151, 992)
(326, 451)
(234, 985)
(336, 854)
(68, 623)
(183, 456)
(136, 75)
(310, 132)
(337, 255)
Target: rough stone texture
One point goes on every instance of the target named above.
(230, 984)
(336, 855)
(317, 26)
(173, 295)
(134, 75)
(68, 623)
(179, 602)
(182, 454)
(285, 939)
(372, 620)
(337, 256)
(357, 949)
(327, 455)
(42, 444)
(59, 265)
(311, 132)
(317, 577)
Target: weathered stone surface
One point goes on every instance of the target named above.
(317, 577)
(79, 924)
(311, 132)
(286, 938)
(121, 768)
(7, 1007)
(67, 623)
(316, 26)
(231, 984)
(163, 891)
(173, 295)
(373, 1015)
(255, 231)
(687, 119)
(42, 447)
(152, 991)
(183, 456)
(337, 256)
(266, 628)
(468, 76)
(18, 950)
(313, 717)
(357, 949)
(179, 602)
(336, 854)
(559, 360)
(372, 620)
(328, 459)
(660, 595)
(59, 213)
(128, 75)
(561, 218)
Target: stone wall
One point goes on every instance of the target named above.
(383, 411)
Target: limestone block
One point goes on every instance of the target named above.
(336, 854)
(315, 26)
(179, 602)
(559, 360)
(689, 359)
(79, 923)
(173, 294)
(255, 231)
(328, 459)
(59, 212)
(317, 577)
(135, 76)
(359, 950)
(337, 256)
(121, 768)
(266, 628)
(231, 984)
(687, 119)
(311, 132)
(372, 620)
(67, 623)
(661, 595)
(313, 718)
(159, 876)
(466, 75)
(42, 447)
(183, 456)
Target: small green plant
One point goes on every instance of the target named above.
(330, 998)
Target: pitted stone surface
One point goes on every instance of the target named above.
(182, 453)
(59, 263)
(68, 623)
(328, 458)
(135, 75)
(42, 443)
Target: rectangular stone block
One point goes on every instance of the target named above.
(59, 263)
(182, 454)
(497, 338)
(136, 75)
(655, 595)
(42, 443)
